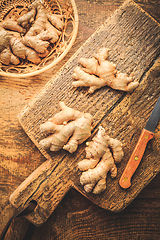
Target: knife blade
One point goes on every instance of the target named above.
(135, 159)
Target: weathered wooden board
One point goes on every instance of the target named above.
(133, 37)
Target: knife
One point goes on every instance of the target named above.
(146, 135)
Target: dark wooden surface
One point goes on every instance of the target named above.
(75, 217)
(55, 177)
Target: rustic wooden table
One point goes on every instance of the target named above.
(75, 217)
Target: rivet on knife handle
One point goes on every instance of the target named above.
(146, 135)
(135, 159)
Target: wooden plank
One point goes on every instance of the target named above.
(133, 36)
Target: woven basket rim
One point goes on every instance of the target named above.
(58, 59)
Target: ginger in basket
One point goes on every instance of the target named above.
(30, 35)
(46, 28)
(16, 50)
(68, 129)
(101, 155)
(98, 72)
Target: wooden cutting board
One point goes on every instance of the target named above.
(133, 37)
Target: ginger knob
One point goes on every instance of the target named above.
(67, 129)
(99, 161)
(98, 72)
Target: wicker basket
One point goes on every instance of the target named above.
(68, 9)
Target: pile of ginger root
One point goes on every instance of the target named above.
(97, 72)
(69, 128)
(29, 36)
(101, 155)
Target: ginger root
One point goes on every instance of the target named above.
(11, 24)
(68, 129)
(101, 155)
(30, 35)
(8, 57)
(45, 29)
(98, 72)
(16, 50)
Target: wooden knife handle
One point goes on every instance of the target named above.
(135, 159)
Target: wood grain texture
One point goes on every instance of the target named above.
(129, 33)
(75, 217)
